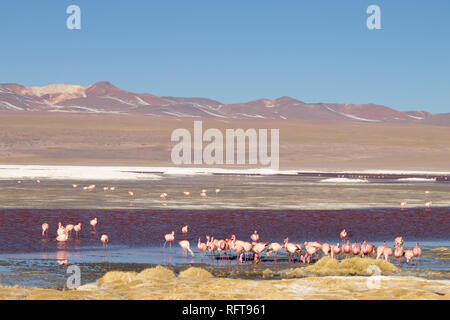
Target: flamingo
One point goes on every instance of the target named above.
(44, 228)
(217, 191)
(61, 230)
(398, 253)
(387, 252)
(131, 193)
(77, 229)
(346, 248)
(186, 193)
(63, 237)
(380, 250)
(74, 186)
(247, 248)
(185, 231)
(398, 241)
(239, 251)
(275, 247)
(335, 250)
(169, 237)
(417, 251)
(428, 204)
(356, 249)
(310, 251)
(93, 223)
(255, 236)
(112, 188)
(290, 248)
(343, 234)
(403, 204)
(201, 246)
(326, 249)
(163, 195)
(409, 254)
(212, 246)
(203, 194)
(366, 249)
(259, 248)
(184, 244)
(104, 239)
(69, 228)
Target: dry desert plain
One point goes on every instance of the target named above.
(62, 138)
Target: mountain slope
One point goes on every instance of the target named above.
(103, 97)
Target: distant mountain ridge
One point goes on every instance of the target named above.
(103, 97)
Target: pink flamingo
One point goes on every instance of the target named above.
(335, 250)
(409, 254)
(44, 229)
(310, 251)
(274, 247)
(346, 248)
(258, 249)
(398, 253)
(247, 248)
(212, 246)
(380, 250)
(403, 204)
(387, 252)
(417, 251)
(366, 249)
(131, 193)
(184, 244)
(239, 252)
(326, 249)
(356, 249)
(217, 191)
(255, 236)
(77, 229)
(291, 248)
(201, 246)
(185, 231)
(169, 238)
(398, 241)
(74, 186)
(61, 230)
(104, 239)
(343, 234)
(93, 223)
(69, 229)
(186, 193)
(63, 237)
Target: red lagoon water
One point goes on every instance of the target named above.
(20, 229)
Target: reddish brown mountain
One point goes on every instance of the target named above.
(103, 97)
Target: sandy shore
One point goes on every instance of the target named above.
(346, 280)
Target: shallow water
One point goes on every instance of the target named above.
(303, 208)
(236, 192)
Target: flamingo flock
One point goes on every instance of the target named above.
(64, 232)
(246, 251)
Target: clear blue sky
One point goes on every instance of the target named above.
(237, 50)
